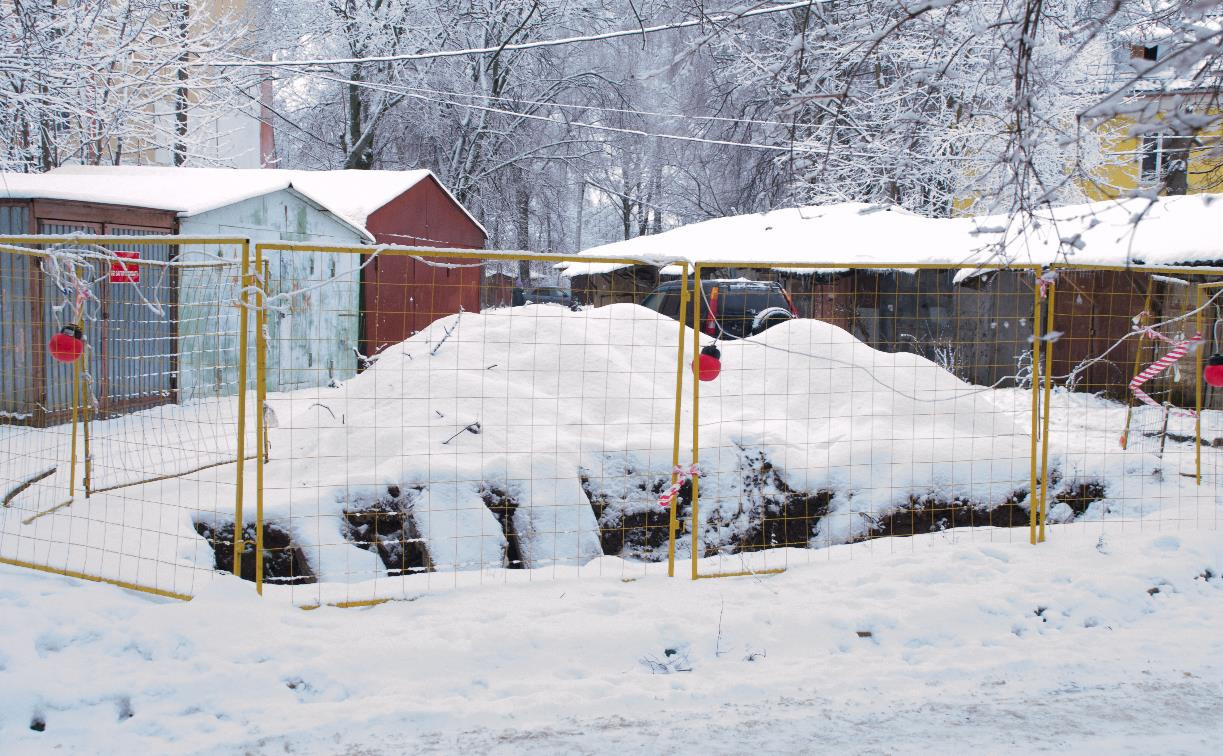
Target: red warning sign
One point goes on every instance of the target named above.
(125, 272)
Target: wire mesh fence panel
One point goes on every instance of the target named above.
(120, 428)
(464, 420)
(913, 402)
(857, 404)
(464, 417)
(1123, 406)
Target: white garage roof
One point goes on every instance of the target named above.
(350, 195)
(1163, 231)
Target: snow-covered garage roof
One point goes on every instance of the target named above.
(1167, 230)
(350, 195)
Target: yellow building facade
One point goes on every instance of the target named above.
(1135, 161)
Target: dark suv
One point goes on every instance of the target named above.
(543, 295)
(732, 308)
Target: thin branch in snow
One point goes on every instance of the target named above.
(473, 428)
(448, 331)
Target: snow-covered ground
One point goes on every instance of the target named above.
(1083, 644)
(561, 424)
(1104, 638)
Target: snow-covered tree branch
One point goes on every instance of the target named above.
(108, 82)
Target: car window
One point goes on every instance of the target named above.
(653, 300)
(670, 304)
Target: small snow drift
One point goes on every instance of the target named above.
(535, 436)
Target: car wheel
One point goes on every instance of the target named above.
(769, 317)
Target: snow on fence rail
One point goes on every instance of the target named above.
(418, 418)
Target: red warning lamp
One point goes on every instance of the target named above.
(1213, 372)
(710, 362)
(68, 344)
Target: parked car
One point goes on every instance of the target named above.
(732, 308)
(543, 295)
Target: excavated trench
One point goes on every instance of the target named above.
(639, 532)
(503, 506)
(930, 514)
(772, 514)
(284, 563)
(1080, 496)
(769, 514)
(387, 527)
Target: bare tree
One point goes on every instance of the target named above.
(940, 106)
(96, 82)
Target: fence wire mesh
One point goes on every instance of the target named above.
(111, 462)
(1134, 433)
(956, 404)
(880, 403)
(443, 418)
(410, 419)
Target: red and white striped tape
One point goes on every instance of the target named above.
(1178, 350)
(681, 476)
(1044, 281)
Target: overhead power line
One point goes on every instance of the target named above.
(605, 108)
(407, 92)
(623, 111)
(728, 16)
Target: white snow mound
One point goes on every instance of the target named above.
(532, 401)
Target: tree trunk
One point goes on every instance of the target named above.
(180, 95)
(580, 213)
(360, 155)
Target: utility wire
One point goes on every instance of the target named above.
(609, 109)
(640, 30)
(407, 92)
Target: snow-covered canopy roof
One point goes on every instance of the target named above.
(1163, 231)
(350, 195)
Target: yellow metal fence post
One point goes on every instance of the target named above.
(1033, 495)
(76, 403)
(260, 399)
(86, 392)
(244, 325)
(1129, 396)
(78, 395)
(1197, 387)
(672, 523)
(1044, 434)
(698, 294)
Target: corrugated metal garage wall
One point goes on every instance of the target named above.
(400, 295)
(17, 336)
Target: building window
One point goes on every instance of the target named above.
(1144, 52)
(1165, 160)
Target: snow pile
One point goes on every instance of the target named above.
(1163, 231)
(539, 438)
(551, 408)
